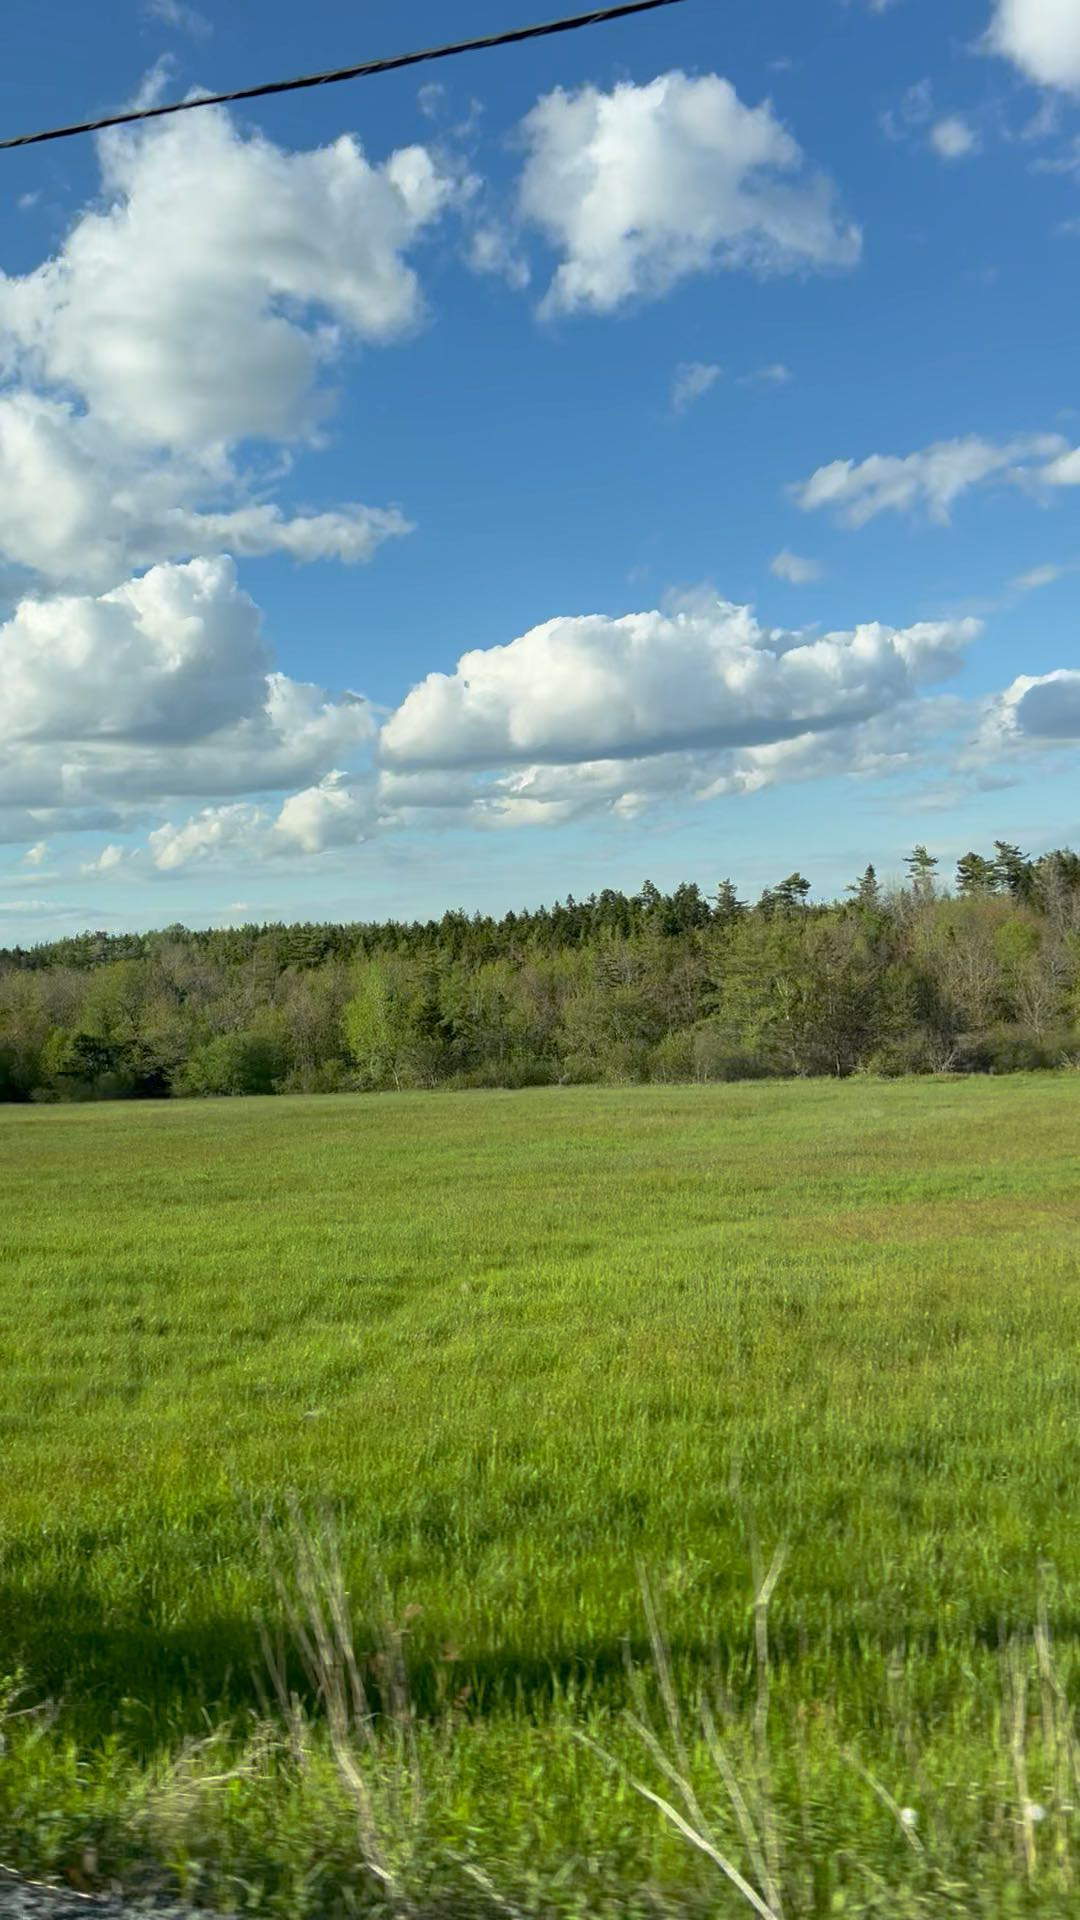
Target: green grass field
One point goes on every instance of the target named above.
(521, 1350)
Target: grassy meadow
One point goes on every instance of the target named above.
(556, 1372)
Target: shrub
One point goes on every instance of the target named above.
(715, 1058)
(234, 1063)
(672, 1059)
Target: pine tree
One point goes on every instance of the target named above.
(975, 876)
(866, 891)
(922, 867)
(727, 905)
(787, 897)
(1014, 872)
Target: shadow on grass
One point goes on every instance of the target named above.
(152, 1682)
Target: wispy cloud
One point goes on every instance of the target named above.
(934, 478)
(795, 568)
(1044, 576)
(774, 375)
(182, 19)
(693, 380)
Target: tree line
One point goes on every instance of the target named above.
(980, 976)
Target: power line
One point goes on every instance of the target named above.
(367, 71)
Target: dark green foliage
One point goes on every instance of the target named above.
(976, 875)
(866, 892)
(617, 988)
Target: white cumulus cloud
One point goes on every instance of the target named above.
(892, 742)
(593, 687)
(641, 186)
(172, 656)
(1042, 38)
(334, 814)
(198, 305)
(1037, 708)
(159, 688)
(1064, 471)
(76, 509)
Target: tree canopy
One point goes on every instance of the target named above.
(618, 987)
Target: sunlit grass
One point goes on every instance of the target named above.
(520, 1345)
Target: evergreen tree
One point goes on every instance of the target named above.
(922, 869)
(790, 895)
(976, 875)
(727, 906)
(866, 892)
(1014, 873)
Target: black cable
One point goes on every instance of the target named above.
(512, 37)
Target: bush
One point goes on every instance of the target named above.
(715, 1058)
(672, 1059)
(524, 1070)
(234, 1063)
(1013, 1049)
(333, 1076)
(916, 1052)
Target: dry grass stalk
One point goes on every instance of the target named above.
(1017, 1690)
(882, 1792)
(1061, 1744)
(764, 1590)
(692, 1823)
(313, 1599)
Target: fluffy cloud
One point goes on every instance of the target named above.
(1042, 38)
(77, 510)
(639, 187)
(198, 306)
(591, 688)
(931, 480)
(577, 717)
(335, 813)
(953, 138)
(1064, 471)
(158, 688)
(548, 796)
(1037, 709)
(172, 656)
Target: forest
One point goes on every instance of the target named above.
(982, 975)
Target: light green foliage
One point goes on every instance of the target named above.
(521, 1344)
(374, 1024)
(236, 1063)
(615, 989)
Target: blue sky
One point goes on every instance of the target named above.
(707, 380)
